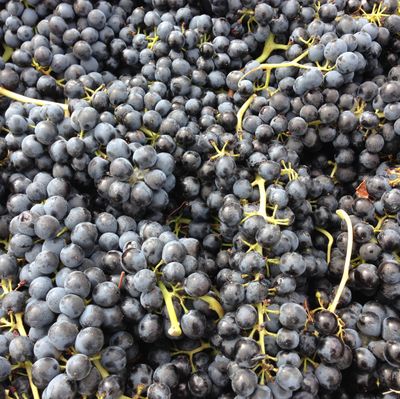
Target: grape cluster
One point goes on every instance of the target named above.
(200, 199)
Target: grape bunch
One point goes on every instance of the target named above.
(199, 199)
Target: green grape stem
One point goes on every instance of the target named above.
(240, 115)
(8, 51)
(103, 372)
(214, 305)
(23, 99)
(330, 242)
(344, 216)
(269, 47)
(261, 333)
(27, 365)
(175, 329)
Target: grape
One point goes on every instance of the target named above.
(289, 378)
(197, 284)
(113, 358)
(78, 367)
(44, 370)
(89, 340)
(158, 390)
(334, 48)
(71, 305)
(106, 294)
(328, 377)
(5, 368)
(60, 386)
(331, 349)
(244, 382)
(193, 324)
(199, 384)
(166, 374)
(347, 62)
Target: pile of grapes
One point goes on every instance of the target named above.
(200, 199)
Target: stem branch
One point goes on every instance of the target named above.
(344, 216)
(175, 329)
(23, 99)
